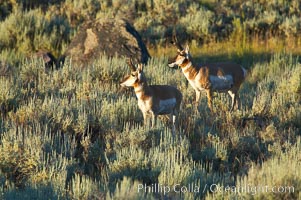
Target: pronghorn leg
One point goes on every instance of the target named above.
(197, 96)
(154, 119)
(234, 98)
(173, 117)
(144, 119)
(173, 121)
(209, 97)
(237, 101)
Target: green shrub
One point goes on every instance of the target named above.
(17, 162)
(27, 32)
(198, 21)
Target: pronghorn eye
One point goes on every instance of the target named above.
(133, 75)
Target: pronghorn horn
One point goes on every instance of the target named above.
(130, 64)
(140, 66)
(176, 43)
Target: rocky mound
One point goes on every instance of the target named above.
(106, 36)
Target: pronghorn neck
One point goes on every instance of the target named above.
(140, 89)
(189, 70)
(186, 65)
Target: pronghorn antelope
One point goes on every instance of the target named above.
(153, 99)
(214, 77)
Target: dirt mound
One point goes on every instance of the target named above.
(106, 36)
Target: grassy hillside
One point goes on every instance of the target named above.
(74, 133)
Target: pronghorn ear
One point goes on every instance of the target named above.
(140, 67)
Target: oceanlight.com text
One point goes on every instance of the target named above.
(214, 188)
(249, 189)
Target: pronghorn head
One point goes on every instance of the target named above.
(135, 78)
(182, 56)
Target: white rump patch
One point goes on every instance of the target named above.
(221, 83)
(166, 106)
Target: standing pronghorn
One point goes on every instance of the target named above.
(153, 99)
(218, 77)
